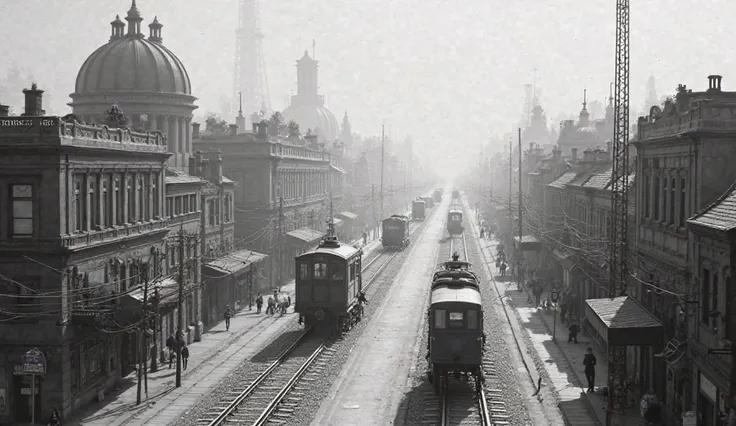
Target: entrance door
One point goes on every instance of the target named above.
(22, 398)
(705, 408)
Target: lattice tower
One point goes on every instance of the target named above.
(250, 69)
(619, 206)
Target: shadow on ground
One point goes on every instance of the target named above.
(271, 351)
(421, 405)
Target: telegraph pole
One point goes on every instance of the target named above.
(180, 316)
(373, 205)
(154, 358)
(521, 227)
(511, 191)
(281, 240)
(383, 148)
(146, 323)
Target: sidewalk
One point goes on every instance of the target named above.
(210, 360)
(563, 362)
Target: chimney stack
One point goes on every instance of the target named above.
(233, 130)
(262, 130)
(192, 166)
(195, 130)
(714, 83)
(34, 102)
(556, 153)
(4, 110)
(574, 152)
(216, 167)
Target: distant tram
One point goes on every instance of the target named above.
(455, 222)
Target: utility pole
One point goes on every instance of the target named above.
(511, 191)
(281, 241)
(520, 253)
(146, 323)
(180, 303)
(373, 205)
(142, 357)
(154, 358)
(618, 251)
(383, 148)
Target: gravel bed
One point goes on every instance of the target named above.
(421, 398)
(306, 411)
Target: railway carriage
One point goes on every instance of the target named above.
(455, 222)
(455, 325)
(328, 281)
(437, 195)
(395, 232)
(429, 201)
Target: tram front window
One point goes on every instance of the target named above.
(320, 271)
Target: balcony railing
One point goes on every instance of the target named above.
(113, 234)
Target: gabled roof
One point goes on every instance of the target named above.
(563, 180)
(599, 180)
(721, 215)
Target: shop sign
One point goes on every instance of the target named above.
(27, 391)
(708, 388)
(34, 362)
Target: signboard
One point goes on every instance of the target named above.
(27, 125)
(34, 362)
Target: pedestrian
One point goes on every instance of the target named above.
(55, 419)
(537, 290)
(482, 233)
(573, 329)
(365, 238)
(259, 303)
(589, 362)
(228, 315)
(170, 344)
(503, 269)
(184, 355)
(271, 305)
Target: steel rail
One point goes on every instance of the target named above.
(233, 406)
(485, 414)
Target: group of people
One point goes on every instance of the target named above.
(172, 344)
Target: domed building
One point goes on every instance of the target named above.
(144, 78)
(307, 107)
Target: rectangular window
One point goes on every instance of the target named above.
(472, 319)
(727, 316)
(304, 271)
(78, 206)
(26, 293)
(130, 189)
(673, 200)
(647, 195)
(119, 201)
(705, 298)
(456, 319)
(440, 320)
(169, 206)
(155, 195)
(94, 202)
(142, 201)
(683, 202)
(714, 300)
(665, 201)
(22, 205)
(657, 193)
(106, 203)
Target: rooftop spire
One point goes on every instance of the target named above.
(155, 30)
(118, 28)
(585, 99)
(134, 20)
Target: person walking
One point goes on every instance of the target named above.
(184, 356)
(589, 362)
(171, 345)
(573, 329)
(503, 269)
(228, 315)
(259, 303)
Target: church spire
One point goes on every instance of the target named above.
(584, 115)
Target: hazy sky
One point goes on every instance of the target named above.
(447, 72)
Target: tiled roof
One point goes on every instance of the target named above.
(235, 262)
(622, 312)
(176, 176)
(599, 180)
(563, 180)
(721, 215)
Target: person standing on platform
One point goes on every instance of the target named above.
(184, 356)
(589, 362)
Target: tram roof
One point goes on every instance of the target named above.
(344, 251)
(455, 211)
(445, 294)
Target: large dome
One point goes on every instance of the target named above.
(133, 63)
(313, 117)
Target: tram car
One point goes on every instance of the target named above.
(395, 233)
(455, 222)
(455, 194)
(418, 209)
(437, 195)
(428, 201)
(328, 281)
(455, 325)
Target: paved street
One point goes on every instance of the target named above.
(562, 360)
(211, 359)
(372, 383)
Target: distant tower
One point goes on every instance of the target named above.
(528, 96)
(250, 70)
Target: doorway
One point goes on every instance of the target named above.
(705, 408)
(22, 398)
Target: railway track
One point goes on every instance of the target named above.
(266, 399)
(460, 403)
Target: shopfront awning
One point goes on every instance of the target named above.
(347, 215)
(528, 243)
(622, 321)
(167, 288)
(236, 262)
(304, 236)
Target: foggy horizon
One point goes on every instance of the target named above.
(435, 75)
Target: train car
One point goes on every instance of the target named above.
(437, 196)
(328, 280)
(455, 325)
(455, 222)
(428, 201)
(395, 233)
(418, 209)
(455, 193)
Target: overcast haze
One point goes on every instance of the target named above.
(437, 70)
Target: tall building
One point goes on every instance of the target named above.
(307, 107)
(250, 80)
(79, 241)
